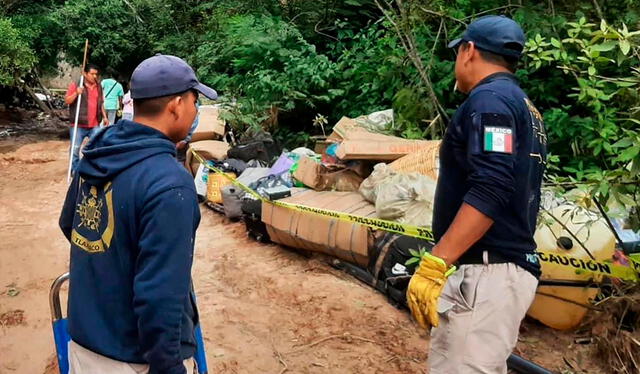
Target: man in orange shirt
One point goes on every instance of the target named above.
(92, 113)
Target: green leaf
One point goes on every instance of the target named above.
(625, 47)
(411, 261)
(414, 253)
(606, 46)
(591, 70)
(625, 84)
(635, 166)
(603, 25)
(601, 59)
(556, 43)
(623, 143)
(629, 153)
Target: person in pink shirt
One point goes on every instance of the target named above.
(127, 106)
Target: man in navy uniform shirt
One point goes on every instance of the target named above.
(492, 162)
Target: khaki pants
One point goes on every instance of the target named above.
(84, 361)
(480, 310)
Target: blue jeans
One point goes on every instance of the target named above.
(75, 150)
(111, 115)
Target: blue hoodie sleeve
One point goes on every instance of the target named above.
(491, 172)
(163, 276)
(69, 208)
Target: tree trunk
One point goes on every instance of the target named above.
(46, 92)
(35, 98)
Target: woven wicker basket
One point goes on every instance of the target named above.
(425, 161)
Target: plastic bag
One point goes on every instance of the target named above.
(251, 175)
(282, 165)
(405, 198)
(232, 166)
(378, 122)
(303, 152)
(368, 188)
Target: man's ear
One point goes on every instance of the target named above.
(173, 105)
(469, 53)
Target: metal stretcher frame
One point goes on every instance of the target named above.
(61, 335)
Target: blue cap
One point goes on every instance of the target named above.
(497, 34)
(163, 75)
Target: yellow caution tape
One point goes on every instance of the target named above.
(581, 265)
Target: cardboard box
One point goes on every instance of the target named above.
(308, 172)
(313, 174)
(321, 146)
(379, 150)
(210, 126)
(304, 230)
(357, 143)
(209, 150)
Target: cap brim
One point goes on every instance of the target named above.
(455, 43)
(206, 91)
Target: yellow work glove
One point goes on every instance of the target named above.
(425, 288)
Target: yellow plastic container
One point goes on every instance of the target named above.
(214, 186)
(555, 306)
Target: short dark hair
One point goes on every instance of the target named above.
(88, 67)
(110, 72)
(155, 105)
(508, 62)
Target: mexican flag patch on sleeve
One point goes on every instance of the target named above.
(498, 139)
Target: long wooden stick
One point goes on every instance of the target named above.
(75, 123)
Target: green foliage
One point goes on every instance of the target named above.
(290, 139)
(265, 64)
(117, 33)
(593, 121)
(39, 30)
(370, 69)
(16, 59)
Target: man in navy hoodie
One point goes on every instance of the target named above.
(131, 215)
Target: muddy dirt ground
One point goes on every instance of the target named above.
(264, 309)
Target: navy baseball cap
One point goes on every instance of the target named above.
(497, 34)
(163, 75)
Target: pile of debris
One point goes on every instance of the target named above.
(357, 170)
(17, 121)
(307, 199)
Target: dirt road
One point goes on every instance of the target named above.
(263, 309)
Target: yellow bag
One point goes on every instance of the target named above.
(214, 186)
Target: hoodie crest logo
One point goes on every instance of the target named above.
(89, 210)
(93, 228)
